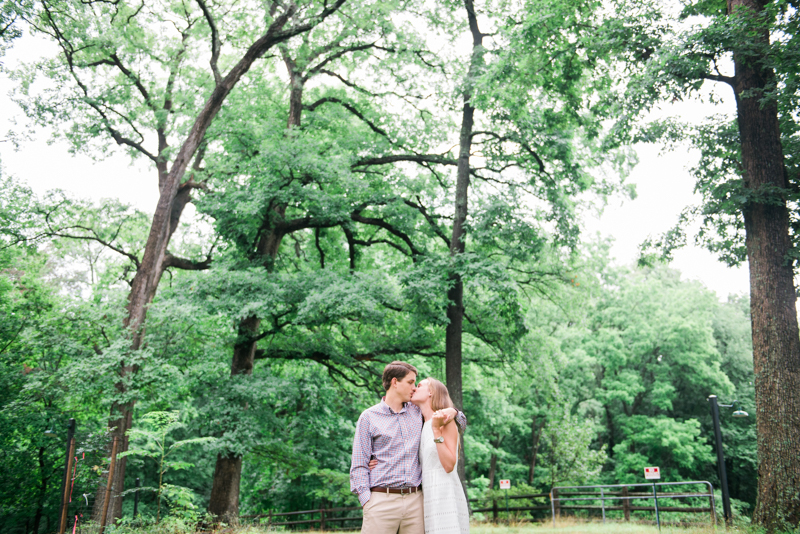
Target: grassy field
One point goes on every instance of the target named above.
(570, 528)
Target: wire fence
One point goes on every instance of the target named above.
(88, 466)
(83, 478)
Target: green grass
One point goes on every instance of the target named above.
(565, 526)
(572, 527)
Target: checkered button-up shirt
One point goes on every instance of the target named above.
(393, 438)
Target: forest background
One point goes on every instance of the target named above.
(337, 156)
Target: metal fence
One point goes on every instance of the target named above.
(497, 507)
(598, 498)
(621, 492)
(325, 518)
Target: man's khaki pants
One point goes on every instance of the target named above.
(390, 513)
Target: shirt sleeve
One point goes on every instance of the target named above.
(461, 421)
(359, 467)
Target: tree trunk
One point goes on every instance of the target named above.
(492, 470)
(610, 426)
(537, 432)
(224, 502)
(167, 213)
(776, 341)
(493, 461)
(455, 308)
(553, 449)
(122, 413)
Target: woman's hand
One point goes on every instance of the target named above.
(373, 463)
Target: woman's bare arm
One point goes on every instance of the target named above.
(448, 454)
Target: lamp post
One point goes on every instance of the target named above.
(723, 474)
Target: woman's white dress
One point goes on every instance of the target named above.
(446, 509)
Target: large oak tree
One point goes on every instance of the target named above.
(130, 74)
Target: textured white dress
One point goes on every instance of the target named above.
(446, 509)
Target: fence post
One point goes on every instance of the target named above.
(711, 505)
(655, 504)
(107, 496)
(603, 505)
(557, 503)
(322, 519)
(62, 525)
(269, 520)
(626, 504)
(494, 510)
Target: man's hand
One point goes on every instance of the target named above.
(442, 417)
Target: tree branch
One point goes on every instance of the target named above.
(319, 248)
(135, 79)
(69, 53)
(338, 54)
(351, 247)
(371, 242)
(433, 224)
(416, 158)
(523, 144)
(93, 237)
(356, 216)
(349, 107)
(185, 264)
(215, 43)
(719, 78)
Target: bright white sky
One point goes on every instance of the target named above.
(663, 183)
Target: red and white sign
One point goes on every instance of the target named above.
(505, 484)
(652, 473)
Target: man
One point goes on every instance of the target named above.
(391, 495)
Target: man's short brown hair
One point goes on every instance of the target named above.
(398, 370)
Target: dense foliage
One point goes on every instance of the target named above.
(610, 375)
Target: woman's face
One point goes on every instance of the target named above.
(422, 394)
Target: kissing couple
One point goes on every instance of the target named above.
(404, 443)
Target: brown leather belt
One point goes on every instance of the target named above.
(397, 490)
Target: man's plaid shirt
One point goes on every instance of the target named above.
(392, 438)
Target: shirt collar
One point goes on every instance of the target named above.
(386, 408)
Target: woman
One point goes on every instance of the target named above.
(445, 505)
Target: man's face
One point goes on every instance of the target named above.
(406, 386)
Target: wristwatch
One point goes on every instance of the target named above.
(440, 439)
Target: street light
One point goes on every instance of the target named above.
(723, 474)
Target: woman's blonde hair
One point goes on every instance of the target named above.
(440, 397)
